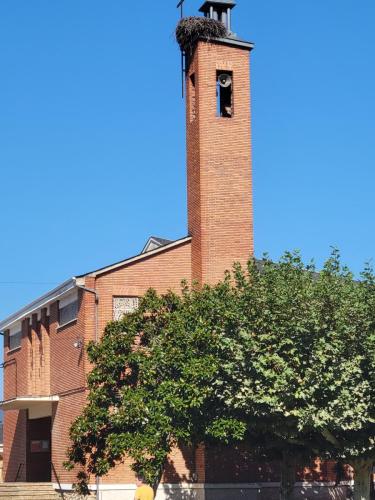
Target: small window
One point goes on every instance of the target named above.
(40, 446)
(192, 98)
(15, 339)
(68, 309)
(68, 313)
(124, 305)
(224, 93)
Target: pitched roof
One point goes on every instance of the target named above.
(155, 242)
(77, 281)
(39, 303)
(142, 255)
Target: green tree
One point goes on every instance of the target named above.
(276, 354)
(153, 387)
(309, 359)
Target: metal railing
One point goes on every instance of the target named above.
(58, 481)
(20, 467)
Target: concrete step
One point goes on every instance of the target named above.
(33, 493)
(24, 483)
(25, 493)
(29, 486)
(27, 497)
(28, 491)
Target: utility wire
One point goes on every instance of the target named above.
(29, 282)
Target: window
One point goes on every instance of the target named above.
(68, 309)
(224, 94)
(15, 338)
(40, 446)
(124, 305)
(192, 98)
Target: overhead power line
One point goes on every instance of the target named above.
(28, 282)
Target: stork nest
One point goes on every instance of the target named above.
(191, 29)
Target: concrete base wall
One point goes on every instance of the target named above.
(272, 493)
(223, 492)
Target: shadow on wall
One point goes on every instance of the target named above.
(235, 465)
(266, 493)
(17, 454)
(181, 468)
(324, 493)
(173, 494)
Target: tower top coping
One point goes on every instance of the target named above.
(223, 3)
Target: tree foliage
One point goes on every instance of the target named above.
(277, 354)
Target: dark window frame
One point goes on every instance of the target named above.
(73, 309)
(224, 96)
(15, 340)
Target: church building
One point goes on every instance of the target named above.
(45, 363)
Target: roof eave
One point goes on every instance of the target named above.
(37, 304)
(233, 42)
(78, 281)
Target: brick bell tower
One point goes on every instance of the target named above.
(220, 217)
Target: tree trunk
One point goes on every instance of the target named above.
(157, 480)
(362, 471)
(288, 475)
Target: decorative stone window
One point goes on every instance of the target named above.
(15, 337)
(124, 305)
(68, 309)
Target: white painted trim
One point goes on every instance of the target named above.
(62, 326)
(249, 486)
(132, 487)
(207, 486)
(102, 487)
(25, 402)
(39, 303)
(15, 349)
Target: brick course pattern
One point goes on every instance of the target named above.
(52, 360)
(220, 213)
(48, 363)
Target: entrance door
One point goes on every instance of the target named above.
(39, 450)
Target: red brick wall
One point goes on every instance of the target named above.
(45, 342)
(236, 465)
(180, 467)
(63, 414)
(45, 373)
(219, 164)
(17, 376)
(67, 362)
(163, 271)
(68, 381)
(14, 445)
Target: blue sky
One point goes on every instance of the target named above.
(92, 144)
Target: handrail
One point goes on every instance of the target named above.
(58, 481)
(7, 363)
(19, 471)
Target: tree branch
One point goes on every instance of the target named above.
(331, 438)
